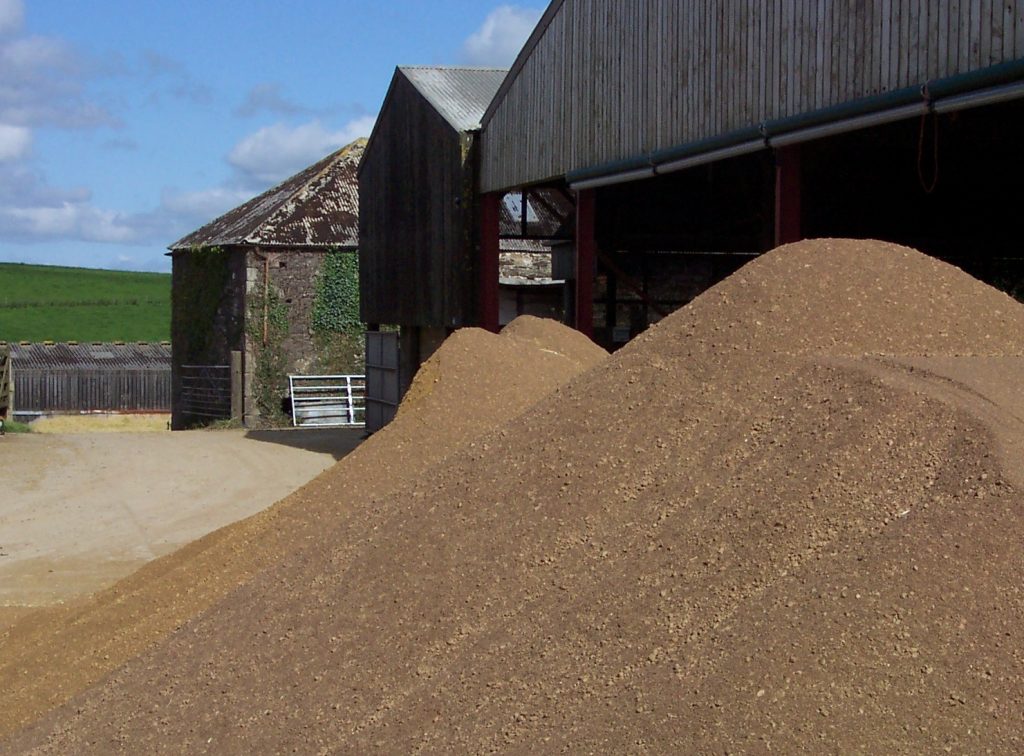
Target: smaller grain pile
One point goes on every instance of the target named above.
(475, 381)
(772, 522)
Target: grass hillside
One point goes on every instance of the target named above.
(41, 302)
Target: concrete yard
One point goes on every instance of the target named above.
(79, 511)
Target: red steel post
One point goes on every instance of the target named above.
(787, 195)
(586, 253)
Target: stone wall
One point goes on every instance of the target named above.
(292, 275)
(236, 323)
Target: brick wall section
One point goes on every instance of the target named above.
(527, 265)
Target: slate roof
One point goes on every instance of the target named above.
(317, 207)
(91, 356)
(460, 95)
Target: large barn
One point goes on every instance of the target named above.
(246, 284)
(695, 135)
(672, 142)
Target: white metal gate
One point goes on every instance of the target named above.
(328, 401)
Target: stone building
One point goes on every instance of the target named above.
(249, 282)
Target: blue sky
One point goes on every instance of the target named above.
(125, 125)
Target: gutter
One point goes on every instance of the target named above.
(986, 86)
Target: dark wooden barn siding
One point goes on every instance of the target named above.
(611, 80)
(75, 389)
(412, 251)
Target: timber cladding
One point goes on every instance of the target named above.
(6, 380)
(102, 377)
(603, 81)
(416, 199)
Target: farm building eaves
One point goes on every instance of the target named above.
(460, 95)
(317, 207)
(524, 55)
(92, 356)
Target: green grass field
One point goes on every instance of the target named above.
(40, 303)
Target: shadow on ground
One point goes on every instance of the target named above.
(337, 442)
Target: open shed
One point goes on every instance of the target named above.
(247, 283)
(697, 135)
(71, 378)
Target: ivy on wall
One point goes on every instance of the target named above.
(337, 330)
(266, 325)
(197, 300)
(336, 305)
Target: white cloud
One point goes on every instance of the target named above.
(358, 128)
(501, 36)
(15, 141)
(69, 220)
(204, 204)
(276, 152)
(269, 97)
(12, 15)
(42, 83)
(172, 77)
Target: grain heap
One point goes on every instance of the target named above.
(53, 654)
(783, 518)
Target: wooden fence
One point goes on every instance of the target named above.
(6, 382)
(77, 389)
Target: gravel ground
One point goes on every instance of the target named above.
(786, 518)
(50, 655)
(81, 510)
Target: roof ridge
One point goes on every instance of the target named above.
(267, 211)
(452, 68)
(326, 163)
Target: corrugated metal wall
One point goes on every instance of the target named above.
(78, 389)
(610, 80)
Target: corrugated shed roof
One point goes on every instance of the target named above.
(95, 356)
(460, 95)
(317, 207)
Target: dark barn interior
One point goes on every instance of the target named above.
(948, 184)
(945, 183)
(662, 241)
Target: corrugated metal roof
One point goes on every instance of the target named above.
(94, 356)
(317, 207)
(460, 95)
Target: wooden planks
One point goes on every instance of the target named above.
(611, 80)
(88, 390)
(415, 257)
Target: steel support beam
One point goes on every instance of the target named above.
(787, 195)
(586, 255)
